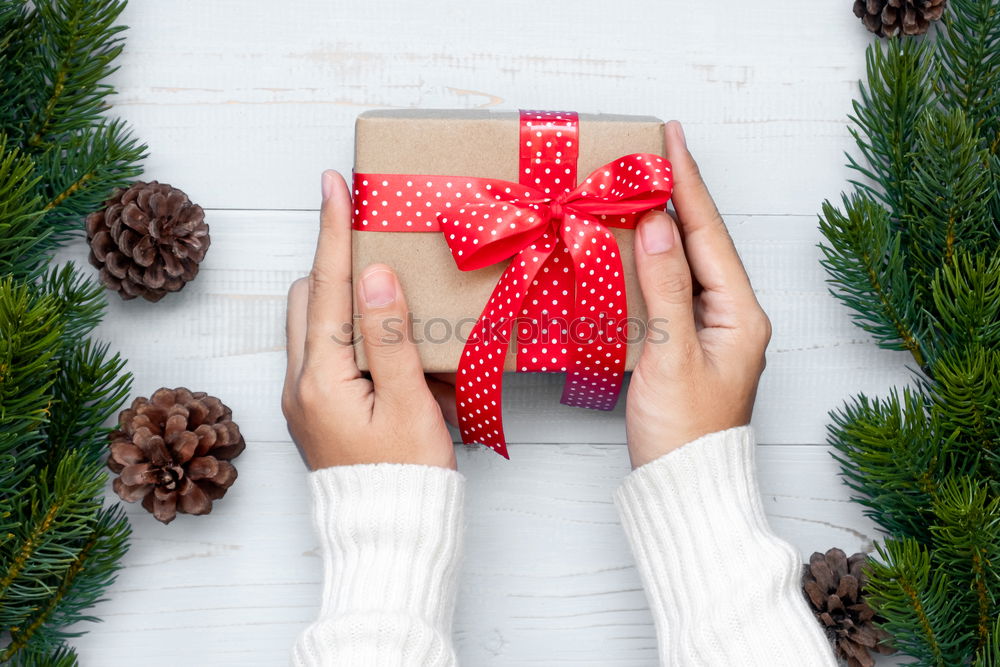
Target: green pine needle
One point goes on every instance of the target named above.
(60, 159)
(896, 95)
(916, 600)
(966, 541)
(863, 259)
(914, 252)
(24, 239)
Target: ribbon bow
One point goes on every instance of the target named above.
(566, 272)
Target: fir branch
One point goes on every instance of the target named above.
(50, 539)
(78, 176)
(79, 300)
(79, 41)
(966, 301)
(916, 256)
(966, 399)
(892, 456)
(63, 656)
(865, 265)
(947, 193)
(897, 93)
(80, 588)
(18, 58)
(59, 548)
(30, 331)
(23, 238)
(989, 656)
(88, 392)
(917, 604)
(969, 65)
(967, 544)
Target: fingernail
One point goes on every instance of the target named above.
(378, 288)
(657, 234)
(679, 131)
(327, 183)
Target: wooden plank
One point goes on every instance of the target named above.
(243, 103)
(225, 334)
(547, 577)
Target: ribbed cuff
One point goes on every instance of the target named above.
(391, 539)
(723, 589)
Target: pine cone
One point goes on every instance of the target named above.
(148, 240)
(886, 18)
(173, 452)
(834, 586)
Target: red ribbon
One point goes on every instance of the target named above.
(564, 285)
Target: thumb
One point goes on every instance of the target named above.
(385, 327)
(665, 279)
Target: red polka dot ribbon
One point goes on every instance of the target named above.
(564, 286)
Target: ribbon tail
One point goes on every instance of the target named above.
(479, 385)
(598, 333)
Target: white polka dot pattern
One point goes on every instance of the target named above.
(564, 286)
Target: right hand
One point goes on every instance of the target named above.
(335, 415)
(704, 377)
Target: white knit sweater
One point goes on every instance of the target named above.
(723, 589)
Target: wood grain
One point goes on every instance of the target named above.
(244, 103)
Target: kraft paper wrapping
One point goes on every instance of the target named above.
(477, 143)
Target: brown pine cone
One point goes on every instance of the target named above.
(886, 18)
(173, 452)
(834, 586)
(148, 240)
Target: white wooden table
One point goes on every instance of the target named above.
(244, 102)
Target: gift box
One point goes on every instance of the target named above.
(512, 236)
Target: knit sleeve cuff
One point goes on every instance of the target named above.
(683, 499)
(391, 537)
(704, 550)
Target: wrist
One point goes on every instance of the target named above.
(646, 445)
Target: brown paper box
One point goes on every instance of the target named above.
(472, 143)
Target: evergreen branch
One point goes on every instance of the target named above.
(79, 300)
(79, 42)
(891, 454)
(916, 256)
(19, 63)
(88, 393)
(864, 262)
(916, 602)
(969, 65)
(61, 513)
(966, 301)
(966, 399)
(948, 194)
(80, 588)
(897, 93)
(30, 331)
(63, 656)
(23, 239)
(79, 175)
(989, 656)
(29, 341)
(59, 160)
(21, 637)
(967, 543)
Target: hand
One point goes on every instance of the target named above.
(335, 415)
(703, 378)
